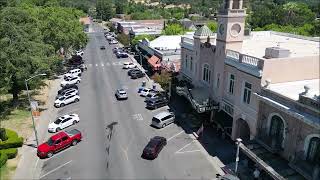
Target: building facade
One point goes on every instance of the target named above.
(226, 69)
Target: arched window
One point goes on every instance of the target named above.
(206, 73)
(313, 154)
(276, 130)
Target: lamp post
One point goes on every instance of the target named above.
(238, 141)
(34, 127)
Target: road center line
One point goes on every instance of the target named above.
(55, 169)
(175, 135)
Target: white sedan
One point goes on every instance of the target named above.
(146, 91)
(63, 122)
(62, 101)
(70, 81)
(129, 65)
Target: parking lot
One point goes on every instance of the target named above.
(115, 132)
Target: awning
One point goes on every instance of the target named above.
(154, 62)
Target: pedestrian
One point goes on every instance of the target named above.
(256, 174)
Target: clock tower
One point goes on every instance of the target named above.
(231, 21)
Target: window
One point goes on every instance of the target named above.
(206, 73)
(186, 62)
(247, 92)
(191, 65)
(313, 150)
(218, 80)
(58, 141)
(64, 138)
(231, 83)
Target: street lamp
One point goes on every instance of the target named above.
(34, 127)
(238, 141)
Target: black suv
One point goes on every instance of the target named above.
(137, 74)
(68, 86)
(157, 102)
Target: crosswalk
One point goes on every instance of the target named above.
(105, 64)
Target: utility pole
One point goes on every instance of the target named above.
(33, 124)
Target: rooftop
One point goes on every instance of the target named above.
(294, 88)
(161, 43)
(204, 31)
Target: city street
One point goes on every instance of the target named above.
(115, 132)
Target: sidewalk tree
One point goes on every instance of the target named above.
(163, 78)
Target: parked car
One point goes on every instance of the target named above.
(58, 142)
(64, 88)
(122, 54)
(163, 119)
(153, 95)
(102, 47)
(63, 122)
(75, 60)
(153, 148)
(157, 102)
(68, 92)
(129, 65)
(132, 71)
(79, 53)
(62, 101)
(113, 41)
(146, 91)
(73, 72)
(82, 67)
(121, 94)
(72, 80)
(137, 74)
(117, 49)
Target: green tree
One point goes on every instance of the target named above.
(104, 9)
(173, 29)
(136, 39)
(124, 39)
(121, 6)
(297, 14)
(163, 79)
(23, 52)
(213, 26)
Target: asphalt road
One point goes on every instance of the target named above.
(115, 132)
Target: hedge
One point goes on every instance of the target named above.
(11, 153)
(13, 140)
(3, 159)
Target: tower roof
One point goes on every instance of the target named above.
(204, 31)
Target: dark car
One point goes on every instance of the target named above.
(121, 55)
(69, 86)
(153, 148)
(102, 47)
(132, 71)
(157, 102)
(137, 74)
(75, 60)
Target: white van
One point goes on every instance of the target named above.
(163, 119)
(73, 73)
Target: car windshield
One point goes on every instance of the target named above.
(155, 120)
(50, 142)
(58, 121)
(61, 98)
(145, 90)
(123, 93)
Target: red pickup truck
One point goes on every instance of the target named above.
(58, 142)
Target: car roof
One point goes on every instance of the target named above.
(162, 114)
(121, 90)
(57, 136)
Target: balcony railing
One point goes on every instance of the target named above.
(245, 59)
(200, 107)
(271, 143)
(231, 11)
(302, 166)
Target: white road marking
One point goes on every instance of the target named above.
(187, 151)
(96, 65)
(102, 64)
(55, 169)
(179, 151)
(137, 117)
(65, 150)
(175, 135)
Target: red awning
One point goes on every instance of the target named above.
(154, 62)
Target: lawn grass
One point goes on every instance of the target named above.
(7, 170)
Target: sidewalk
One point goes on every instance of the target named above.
(29, 166)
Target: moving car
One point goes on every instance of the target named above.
(71, 80)
(59, 142)
(129, 65)
(62, 101)
(73, 73)
(163, 119)
(121, 94)
(71, 86)
(102, 47)
(120, 54)
(157, 102)
(137, 74)
(63, 122)
(146, 91)
(153, 148)
(68, 92)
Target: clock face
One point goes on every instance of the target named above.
(221, 29)
(235, 30)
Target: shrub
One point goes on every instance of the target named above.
(11, 152)
(3, 159)
(3, 135)
(13, 140)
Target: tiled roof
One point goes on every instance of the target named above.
(204, 31)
